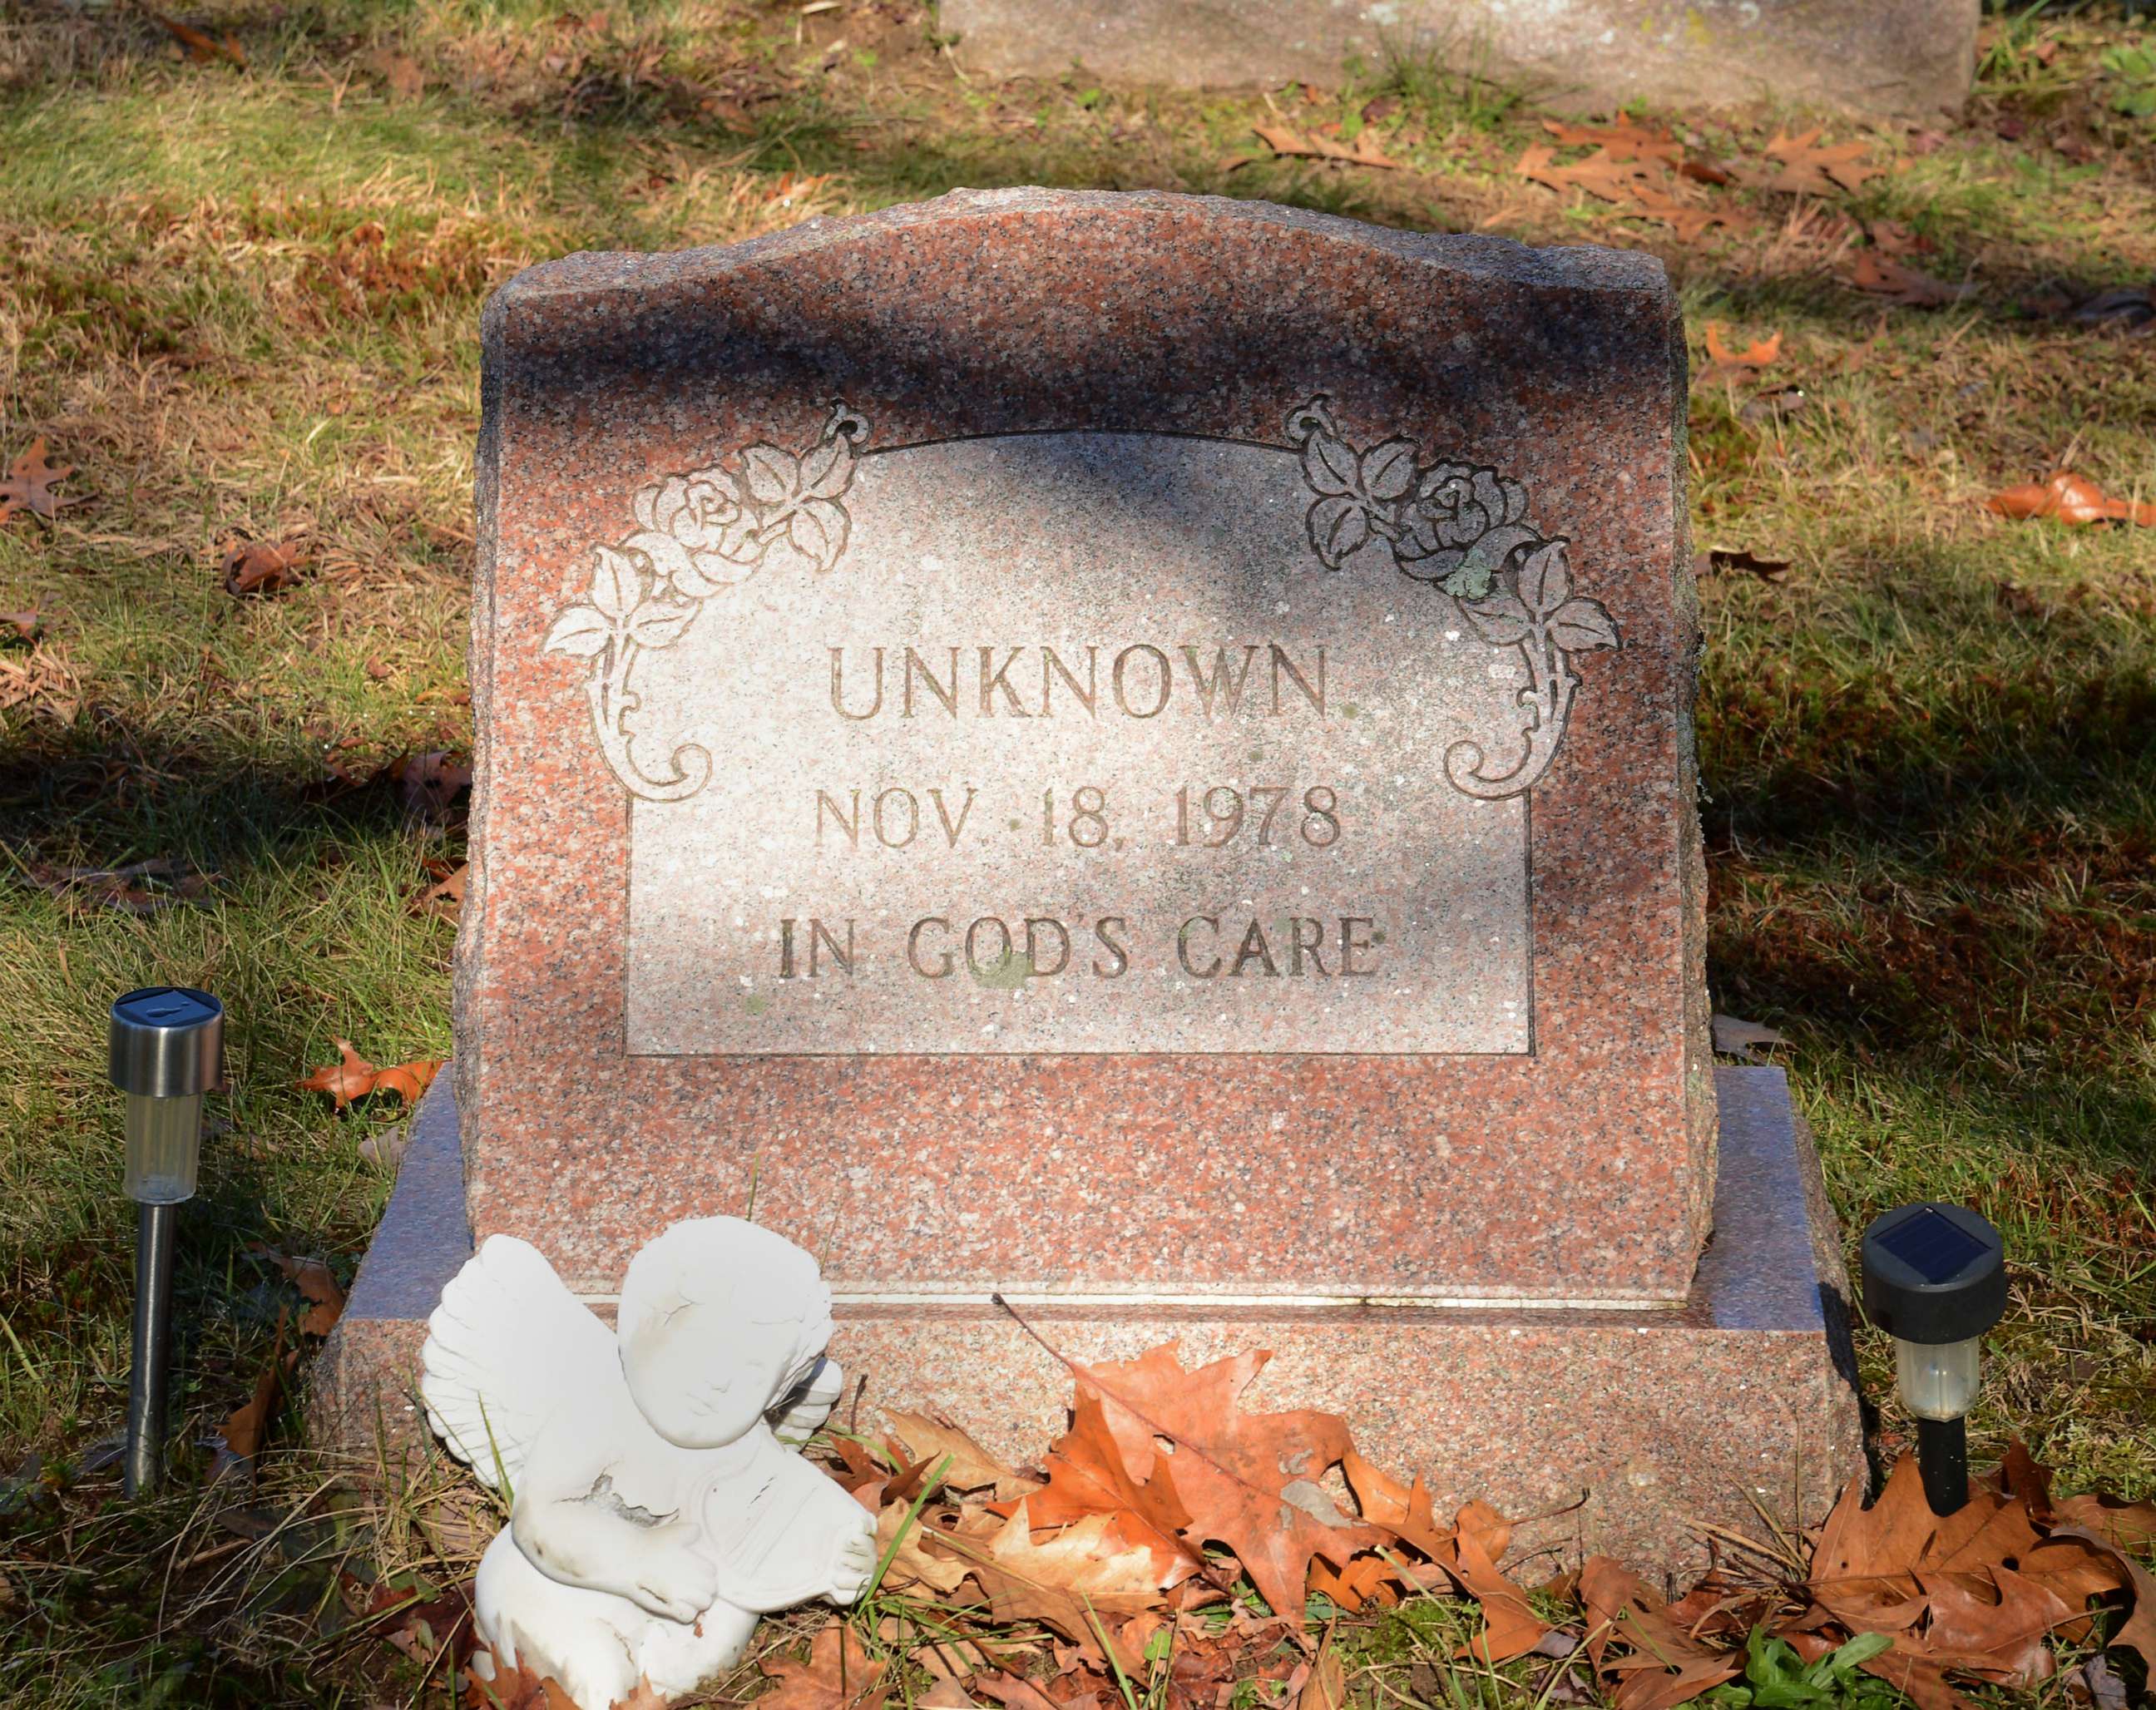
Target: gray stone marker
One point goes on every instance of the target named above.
(1889, 57)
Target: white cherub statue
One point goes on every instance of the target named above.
(657, 1507)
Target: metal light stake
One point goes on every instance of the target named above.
(1935, 1280)
(166, 1050)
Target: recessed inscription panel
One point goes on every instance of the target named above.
(1077, 744)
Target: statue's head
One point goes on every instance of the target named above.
(719, 1320)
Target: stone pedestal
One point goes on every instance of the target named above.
(1665, 1422)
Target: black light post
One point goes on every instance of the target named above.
(166, 1049)
(1935, 1280)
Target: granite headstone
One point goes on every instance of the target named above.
(1133, 754)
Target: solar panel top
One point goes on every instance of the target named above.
(1936, 1248)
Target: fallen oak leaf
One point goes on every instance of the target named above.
(1627, 140)
(2139, 1631)
(1250, 1480)
(407, 1080)
(198, 45)
(29, 485)
(249, 567)
(1883, 276)
(1601, 175)
(1760, 354)
(1806, 168)
(244, 1430)
(1086, 1475)
(445, 897)
(899, 1539)
(317, 1283)
(1075, 1580)
(838, 1675)
(432, 782)
(970, 1466)
(2123, 1525)
(1012, 1691)
(1287, 143)
(1708, 563)
(344, 1081)
(25, 624)
(2069, 498)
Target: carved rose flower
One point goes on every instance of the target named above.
(697, 533)
(1455, 506)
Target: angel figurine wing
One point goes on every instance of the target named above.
(507, 1347)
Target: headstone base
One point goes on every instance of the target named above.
(1632, 1433)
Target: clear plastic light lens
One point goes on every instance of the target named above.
(164, 1146)
(1937, 1380)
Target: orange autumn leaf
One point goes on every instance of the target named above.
(2069, 498)
(1757, 355)
(1909, 286)
(1086, 1475)
(1804, 166)
(344, 1081)
(1362, 151)
(28, 484)
(200, 45)
(1228, 1465)
(355, 1078)
(407, 1080)
(839, 1675)
(1627, 140)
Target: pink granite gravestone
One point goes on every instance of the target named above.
(1132, 755)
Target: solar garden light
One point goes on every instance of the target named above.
(166, 1050)
(1935, 1280)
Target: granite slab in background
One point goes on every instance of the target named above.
(1893, 58)
(1643, 1427)
(611, 1054)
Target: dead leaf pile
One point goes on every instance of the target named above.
(356, 1078)
(1643, 172)
(1166, 1550)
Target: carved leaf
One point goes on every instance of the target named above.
(617, 586)
(1581, 624)
(1328, 464)
(659, 626)
(580, 632)
(1515, 499)
(1546, 579)
(773, 476)
(1388, 470)
(1337, 525)
(1502, 622)
(828, 471)
(817, 529)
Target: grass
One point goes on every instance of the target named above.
(243, 303)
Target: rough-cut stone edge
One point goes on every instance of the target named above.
(1768, 1298)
